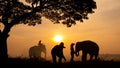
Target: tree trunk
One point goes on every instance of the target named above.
(3, 47)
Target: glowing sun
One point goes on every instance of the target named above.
(58, 38)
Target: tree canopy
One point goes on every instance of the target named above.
(58, 11)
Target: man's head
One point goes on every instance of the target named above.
(72, 44)
(62, 45)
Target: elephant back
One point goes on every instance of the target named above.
(87, 46)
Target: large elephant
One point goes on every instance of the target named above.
(35, 51)
(87, 47)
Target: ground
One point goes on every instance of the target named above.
(35, 63)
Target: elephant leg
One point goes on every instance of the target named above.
(30, 56)
(39, 56)
(96, 57)
(84, 56)
(45, 54)
(91, 57)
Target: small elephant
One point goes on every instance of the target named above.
(87, 47)
(35, 51)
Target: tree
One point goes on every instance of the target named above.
(14, 12)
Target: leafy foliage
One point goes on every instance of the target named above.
(58, 11)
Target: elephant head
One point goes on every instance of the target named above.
(77, 49)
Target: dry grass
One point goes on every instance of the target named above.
(35, 63)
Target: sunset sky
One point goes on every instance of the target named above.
(102, 27)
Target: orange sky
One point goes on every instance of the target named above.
(102, 27)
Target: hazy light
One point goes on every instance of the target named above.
(58, 38)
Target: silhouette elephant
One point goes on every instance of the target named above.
(87, 47)
(57, 51)
(35, 51)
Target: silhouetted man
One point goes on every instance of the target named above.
(57, 51)
(72, 52)
(40, 43)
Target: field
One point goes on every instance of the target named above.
(35, 63)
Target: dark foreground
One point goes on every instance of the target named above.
(32, 63)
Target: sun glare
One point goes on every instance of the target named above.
(58, 38)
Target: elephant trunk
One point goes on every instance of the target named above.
(77, 53)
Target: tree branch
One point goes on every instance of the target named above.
(24, 16)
